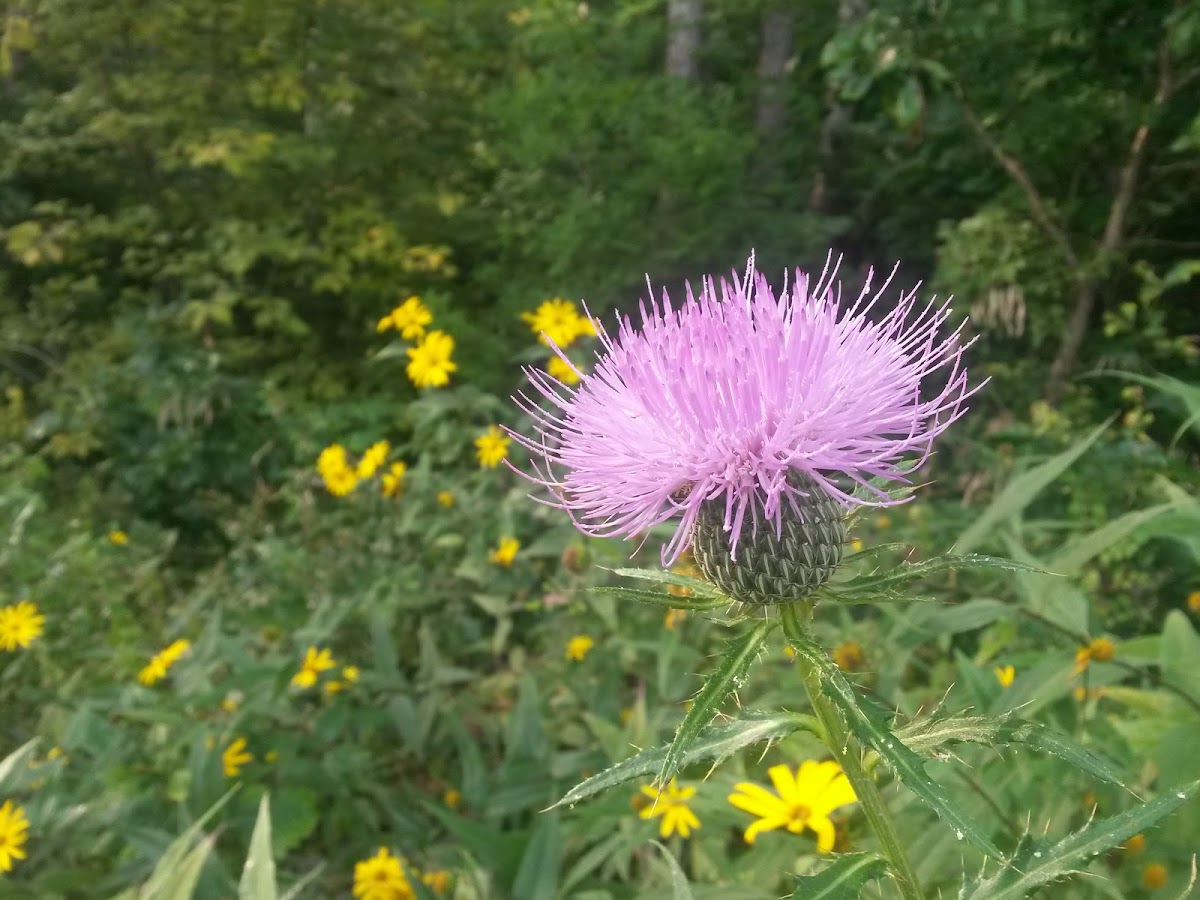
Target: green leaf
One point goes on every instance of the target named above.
(1019, 492)
(658, 598)
(716, 742)
(166, 872)
(729, 675)
(698, 586)
(258, 875)
(1080, 551)
(1179, 651)
(537, 878)
(870, 725)
(906, 572)
(1036, 864)
(295, 817)
(179, 882)
(17, 761)
(843, 879)
(927, 735)
(680, 890)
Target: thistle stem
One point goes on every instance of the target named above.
(847, 752)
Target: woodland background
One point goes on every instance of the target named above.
(207, 205)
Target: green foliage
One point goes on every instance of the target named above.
(844, 879)
(205, 209)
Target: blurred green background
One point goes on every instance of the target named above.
(206, 206)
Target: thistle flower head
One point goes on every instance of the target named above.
(749, 404)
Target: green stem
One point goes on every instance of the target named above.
(846, 750)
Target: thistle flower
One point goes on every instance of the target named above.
(752, 419)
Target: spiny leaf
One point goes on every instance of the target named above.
(1036, 863)
(871, 727)
(716, 742)
(658, 598)
(844, 879)
(925, 568)
(927, 735)
(731, 670)
(698, 586)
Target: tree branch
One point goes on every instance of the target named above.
(1012, 165)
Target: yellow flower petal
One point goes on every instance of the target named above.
(765, 824)
(826, 835)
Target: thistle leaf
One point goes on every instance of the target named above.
(1037, 863)
(870, 725)
(698, 586)
(716, 742)
(927, 735)
(730, 672)
(844, 879)
(658, 598)
(913, 571)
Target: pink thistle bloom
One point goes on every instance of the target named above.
(728, 395)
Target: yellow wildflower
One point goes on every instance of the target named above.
(234, 757)
(670, 804)
(335, 470)
(156, 670)
(20, 625)
(271, 756)
(554, 321)
(332, 459)
(315, 662)
(409, 318)
(1154, 876)
(505, 552)
(350, 674)
(1101, 649)
(334, 687)
(118, 538)
(856, 545)
(1135, 844)
(563, 371)
(804, 800)
(231, 701)
(381, 878)
(429, 362)
(579, 646)
(491, 447)
(13, 834)
(883, 522)
(674, 618)
(391, 483)
(1005, 675)
(1193, 601)
(437, 881)
(445, 498)
(373, 459)
(848, 656)
(452, 798)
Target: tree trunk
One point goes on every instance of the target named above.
(837, 118)
(772, 69)
(683, 39)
